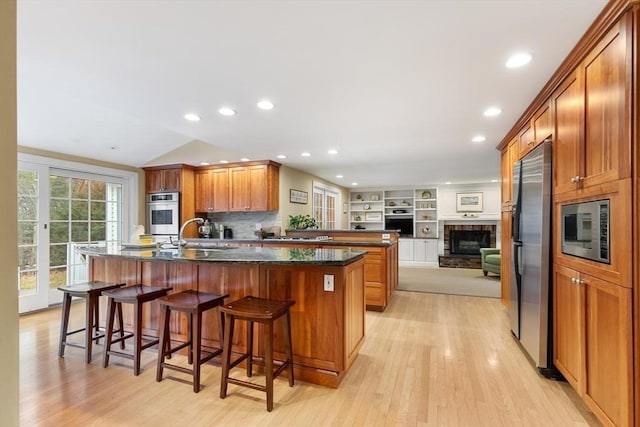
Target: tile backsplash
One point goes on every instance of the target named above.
(243, 224)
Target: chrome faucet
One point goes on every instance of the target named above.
(181, 241)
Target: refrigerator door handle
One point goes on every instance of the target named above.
(517, 246)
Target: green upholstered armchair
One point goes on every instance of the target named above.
(490, 258)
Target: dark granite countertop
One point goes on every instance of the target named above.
(203, 243)
(302, 256)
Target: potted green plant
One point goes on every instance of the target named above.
(302, 222)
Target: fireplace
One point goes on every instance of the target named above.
(468, 242)
(462, 243)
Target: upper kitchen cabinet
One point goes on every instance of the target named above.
(508, 158)
(212, 190)
(254, 187)
(163, 179)
(537, 130)
(240, 187)
(593, 115)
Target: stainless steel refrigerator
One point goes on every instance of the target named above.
(530, 308)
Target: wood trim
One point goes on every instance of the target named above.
(635, 155)
(172, 166)
(612, 12)
(237, 164)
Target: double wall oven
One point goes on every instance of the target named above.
(163, 211)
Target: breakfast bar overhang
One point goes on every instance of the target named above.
(327, 321)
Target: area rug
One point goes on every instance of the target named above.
(455, 281)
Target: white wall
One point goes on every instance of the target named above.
(490, 195)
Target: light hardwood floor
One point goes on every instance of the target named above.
(428, 360)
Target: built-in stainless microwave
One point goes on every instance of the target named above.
(585, 230)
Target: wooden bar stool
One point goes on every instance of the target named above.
(136, 295)
(91, 292)
(193, 303)
(264, 311)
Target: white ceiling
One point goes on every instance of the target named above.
(397, 87)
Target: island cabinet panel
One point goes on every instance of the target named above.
(233, 279)
(327, 326)
(125, 271)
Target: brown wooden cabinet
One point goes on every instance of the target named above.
(568, 104)
(592, 107)
(220, 196)
(172, 178)
(163, 180)
(238, 188)
(593, 345)
(568, 314)
(253, 188)
(204, 191)
(526, 140)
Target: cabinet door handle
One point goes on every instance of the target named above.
(574, 280)
(530, 143)
(576, 179)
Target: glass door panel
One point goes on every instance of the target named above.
(32, 236)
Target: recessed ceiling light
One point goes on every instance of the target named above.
(339, 176)
(332, 151)
(518, 60)
(192, 117)
(354, 183)
(226, 111)
(244, 159)
(495, 180)
(492, 111)
(204, 163)
(265, 104)
(281, 156)
(305, 154)
(224, 161)
(448, 183)
(478, 138)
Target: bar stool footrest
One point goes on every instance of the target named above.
(247, 384)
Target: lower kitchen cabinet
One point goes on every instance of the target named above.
(425, 250)
(405, 249)
(593, 342)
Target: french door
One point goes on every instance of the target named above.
(59, 210)
(325, 202)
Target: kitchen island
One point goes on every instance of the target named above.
(381, 260)
(327, 321)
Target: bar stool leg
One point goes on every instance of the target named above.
(190, 337)
(226, 354)
(268, 362)
(195, 341)
(89, 312)
(64, 323)
(119, 309)
(137, 329)
(249, 348)
(289, 352)
(163, 349)
(111, 310)
(96, 316)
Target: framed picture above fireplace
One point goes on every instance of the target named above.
(469, 202)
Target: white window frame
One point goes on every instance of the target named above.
(320, 188)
